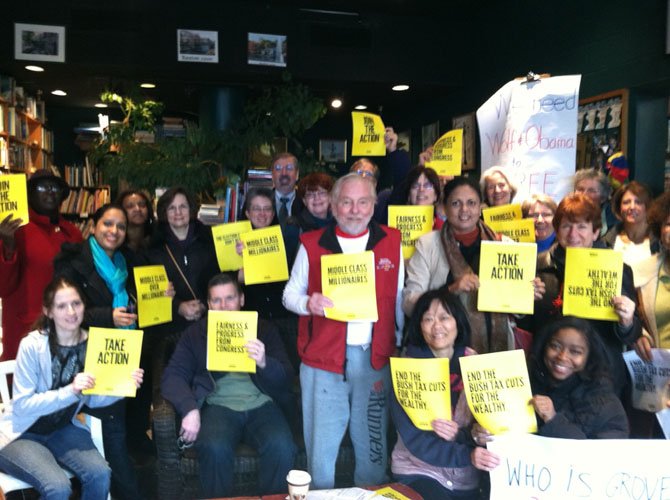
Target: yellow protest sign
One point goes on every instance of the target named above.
(447, 156)
(153, 306)
(227, 334)
(264, 256)
(494, 215)
(422, 388)
(506, 273)
(226, 237)
(521, 230)
(14, 197)
(348, 279)
(592, 277)
(389, 492)
(498, 392)
(368, 135)
(111, 357)
(412, 221)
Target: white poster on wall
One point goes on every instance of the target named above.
(531, 129)
(534, 467)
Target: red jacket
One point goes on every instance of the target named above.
(24, 277)
(322, 341)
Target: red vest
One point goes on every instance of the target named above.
(321, 341)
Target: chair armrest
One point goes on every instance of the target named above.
(165, 433)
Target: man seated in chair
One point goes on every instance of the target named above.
(221, 409)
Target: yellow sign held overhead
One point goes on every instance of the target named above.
(497, 388)
(227, 334)
(226, 237)
(264, 256)
(368, 135)
(422, 388)
(14, 197)
(412, 221)
(111, 357)
(447, 156)
(506, 274)
(153, 306)
(592, 277)
(348, 279)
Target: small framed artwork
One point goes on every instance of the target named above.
(197, 46)
(405, 141)
(467, 123)
(332, 151)
(266, 50)
(602, 128)
(429, 134)
(39, 42)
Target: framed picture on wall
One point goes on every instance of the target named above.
(39, 42)
(332, 151)
(405, 141)
(266, 50)
(602, 128)
(197, 46)
(467, 123)
(429, 134)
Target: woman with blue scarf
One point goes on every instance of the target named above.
(99, 268)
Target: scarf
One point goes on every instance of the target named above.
(114, 274)
(500, 336)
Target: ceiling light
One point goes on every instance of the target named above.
(59, 92)
(361, 106)
(148, 85)
(336, 103)
(100, 105)
(37, 69)
(400, 88)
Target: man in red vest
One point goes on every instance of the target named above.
(344, 374)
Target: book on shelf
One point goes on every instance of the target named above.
(83, 202)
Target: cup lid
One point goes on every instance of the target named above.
(298, 477)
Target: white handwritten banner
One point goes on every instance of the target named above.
(531, 128)
(534, 467)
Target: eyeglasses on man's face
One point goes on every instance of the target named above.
(364, 173)
(289, 167)
(48, 188)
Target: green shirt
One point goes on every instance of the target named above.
(237, 392)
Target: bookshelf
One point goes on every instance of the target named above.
(26, 144)
(81, 204)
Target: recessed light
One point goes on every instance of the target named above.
(361, 106)
(100, 105)
(336, 103)
(400, 88)
(148, 85)
(37, 69)
(59, 92)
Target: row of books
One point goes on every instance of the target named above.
(82, 175)
(85, 202)
(85, 226)
(227, 210)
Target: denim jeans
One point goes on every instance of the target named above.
(35, 459)
(124, 479)
(264, 428)
(330, 403)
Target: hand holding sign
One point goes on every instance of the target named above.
(82, 381)
(8, 227)
(317, 303)
(544, 407)
(624, 307)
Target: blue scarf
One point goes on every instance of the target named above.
(114, 273)
(543, 245)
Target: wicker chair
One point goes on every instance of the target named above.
(178, 470)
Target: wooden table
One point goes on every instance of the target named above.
(405, 490)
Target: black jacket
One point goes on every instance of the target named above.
(196, 259)
(585, 409)
(75, 262)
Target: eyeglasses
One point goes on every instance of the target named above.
(544, 215)
(290, 167)
(364, 173)
(266, 210)
(48, 188)
(311, 195)
(426, 186)
(177, 208)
